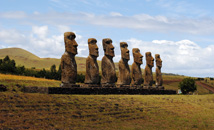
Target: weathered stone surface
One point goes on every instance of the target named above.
(159, 79)
(108, 85)
(35, 89)
(92, 68)
(95, 90)
(107, 64)
(68, 85)
(136, 73)
(124, 71)
(148, 77)
(90, 85)
(68, 62)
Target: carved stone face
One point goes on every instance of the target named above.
(93, 48)
(124, 50)
(108, 47)
(149, 59)
(70, 43)
(158, 60)
(138, 58)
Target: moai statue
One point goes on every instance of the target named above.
(68, 63)
(136, 73)
(92, 68)
(107, 64)
(124, 71)
(148, 77)
(159, 80)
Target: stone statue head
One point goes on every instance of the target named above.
(138, 58)
(93, 48)
(124, 50)
(108, 47)
(149, 59)
(70, 43)
(158, 60)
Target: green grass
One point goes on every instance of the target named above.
(41, 111)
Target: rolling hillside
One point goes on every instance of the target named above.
(29, 60)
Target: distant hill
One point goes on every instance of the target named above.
(29, 60)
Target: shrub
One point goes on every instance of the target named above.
(187, 85)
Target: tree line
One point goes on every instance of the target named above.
(8, 66)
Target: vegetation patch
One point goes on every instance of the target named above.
(16, 83)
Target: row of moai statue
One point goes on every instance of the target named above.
(126, 78)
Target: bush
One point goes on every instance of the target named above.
(187, 85)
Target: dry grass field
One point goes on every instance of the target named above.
(12, 81)
(15, 83)
(45, 111)
(42, 111)
(209, 82)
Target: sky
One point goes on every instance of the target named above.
(181, 31)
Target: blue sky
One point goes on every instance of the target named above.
(182, 32)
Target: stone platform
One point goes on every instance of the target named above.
(96, 90)
(3, 88)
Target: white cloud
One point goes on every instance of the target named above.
(47, 46)
(36, 13)
(181, 57)
(11, 36)
(142, 22)
(13, 15)
(41, 31)
(115, 14)
(55, 1)
(181, 7)
(63, 28)
(40, 43)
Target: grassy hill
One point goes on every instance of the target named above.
(29, 60)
